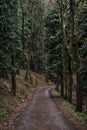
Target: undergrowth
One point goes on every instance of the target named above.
(81, 117)
(70, 108)
(3, 114)
(8, 102)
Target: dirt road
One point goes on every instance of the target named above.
(42, 114)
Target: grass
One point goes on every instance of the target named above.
(55, 94)
(80, 117)
(3, 114)
(70, 109)
(8, 102)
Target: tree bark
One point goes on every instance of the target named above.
(70, 80)
(79, 94)
(62, 87)
(63, 48)
(28, 73)
(34, 67)
(13, 76)
(72, 15)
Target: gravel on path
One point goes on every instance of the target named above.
(42, 114)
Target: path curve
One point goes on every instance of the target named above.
(42, 114)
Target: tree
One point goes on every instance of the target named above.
(53, 48)
(10, 44)
(81, 76)
(72, 16)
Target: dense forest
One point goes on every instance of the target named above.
(47, 37)
(66, 48)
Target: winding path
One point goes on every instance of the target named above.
(42, 114)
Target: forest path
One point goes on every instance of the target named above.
(42, 114)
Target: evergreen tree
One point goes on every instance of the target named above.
(10, 44)
(53, 48)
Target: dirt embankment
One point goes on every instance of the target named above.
(10, 106)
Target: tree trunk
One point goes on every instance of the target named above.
(35, 70)
(62, 87)
(28, 73)
(79, 94)
(70, 81)
(63, 48)
(13, 76)
(57, 84)
(72, 15)
(22, 33)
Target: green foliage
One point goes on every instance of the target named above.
(3, 114)
(36, 35)
(53, 46)
(22, 39)
(83, 66)
(9, 35)
(81, 117)
(82, 44)
(66, 47)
